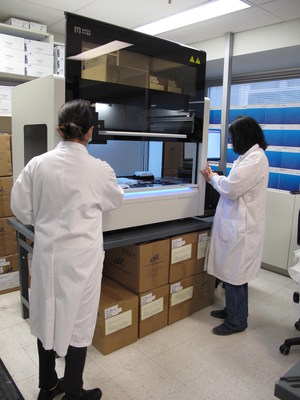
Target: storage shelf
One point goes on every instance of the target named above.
(21, 32)
(7, 77)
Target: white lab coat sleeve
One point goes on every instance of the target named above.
(21, 197)
(240, 179)
(112, 194)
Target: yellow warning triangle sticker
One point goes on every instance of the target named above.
(192, 59)
(198, 61)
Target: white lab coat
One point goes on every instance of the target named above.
(236, 242)
(62, 193)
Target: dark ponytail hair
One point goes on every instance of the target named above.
(245, 132)
(74, 119)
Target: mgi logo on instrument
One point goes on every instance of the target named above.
(82, 31)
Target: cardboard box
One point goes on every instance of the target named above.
(5, 92)
(173, 156)
(59, 52)
(38, 70)
(153, 310)
(9, 264)
(157, 83)
(12, 68)
(5, 155)
(37, 27)
(8, 238)
(203, 240)
(190, 295)
(140, 267)
(18, 23)
(117, 321)
(9, 282)
(11, 55)
(12, 42)
(204, 297)
(6, 183)
(5, 107)
(35, 46)
(183, 258)
(45, 60)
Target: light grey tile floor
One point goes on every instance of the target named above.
(184, 361)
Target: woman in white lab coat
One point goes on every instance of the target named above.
(63, 193)
(236, 242)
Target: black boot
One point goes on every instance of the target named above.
(45, 394)
(92, 394)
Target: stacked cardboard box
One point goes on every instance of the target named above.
(38, 58)
(117, 321)
(144, 269)
(8, 243)
(11, 54)
(167, 279)
(191, 288)
(5, 99)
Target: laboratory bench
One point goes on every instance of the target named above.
(111, 239)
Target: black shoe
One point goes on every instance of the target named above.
(92, 394)
(45, 394)
(223, 330)
(219, 314)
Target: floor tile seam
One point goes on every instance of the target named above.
(171, 348)
(107, 377)
(121, 389)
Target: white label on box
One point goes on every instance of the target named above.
(147, 299)
(176, 243)
(203, 240)
(9, 281)
(183, 295)
(181, 254)
(112, 311)
(153, 308)
(118, 322)
(175, 287)
(4, 262)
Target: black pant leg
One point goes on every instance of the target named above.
(73, 379)
(47, 374)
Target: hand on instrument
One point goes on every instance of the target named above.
(208, 173)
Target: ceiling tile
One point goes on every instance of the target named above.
(287, 9)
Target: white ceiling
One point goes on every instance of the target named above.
(134, 13)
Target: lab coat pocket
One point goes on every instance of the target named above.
(228, 230)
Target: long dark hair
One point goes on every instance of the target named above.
(74, 119)
(245, 132)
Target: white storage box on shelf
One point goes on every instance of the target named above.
(18, 23)
(38, 70)
(12, 42)
(11, 55)
(5, 92)
(35, 46)
(5, 107)
(37, 27)
(45, 60)
(12, 68)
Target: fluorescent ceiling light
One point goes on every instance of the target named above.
(100, 51)
(204, 12)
